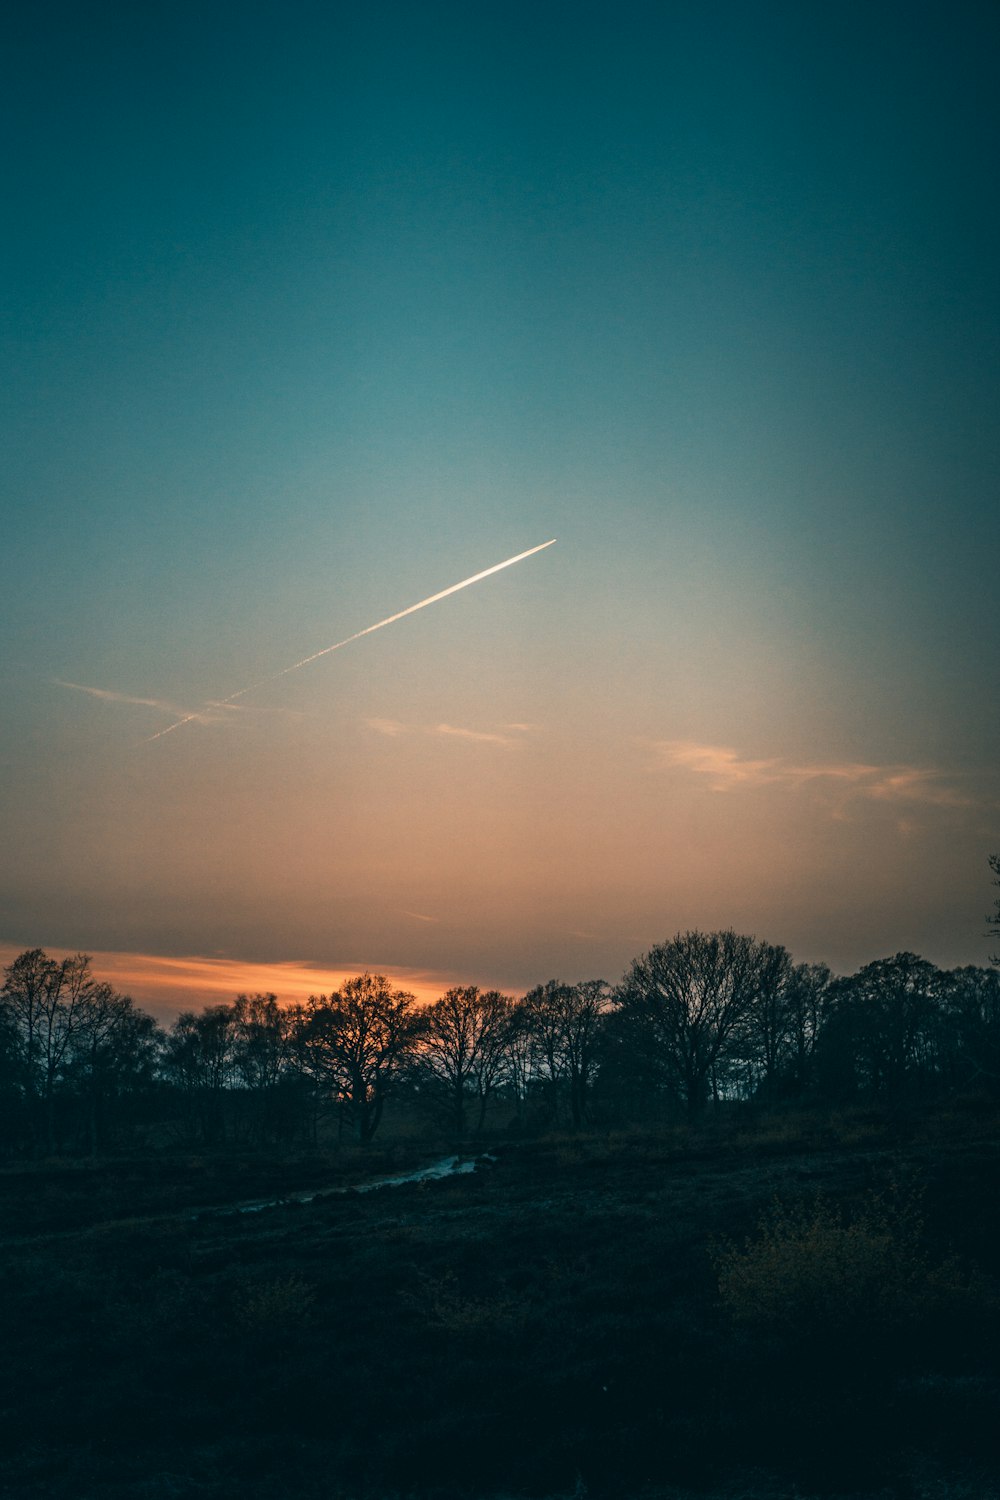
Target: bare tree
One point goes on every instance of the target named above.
(199, 1060)
(543, 1008)
(113, 1054)
(564, 1021)
(490, 1063)
(354, 1043)
(690, 998)
(260, 1040)
(517, 1055)
(47, 1002)
(768, 1026)
(461, 1050)
(808, 993)
(994, 918)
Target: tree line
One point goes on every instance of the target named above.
(701, 1022)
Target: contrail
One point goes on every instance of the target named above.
(390, 620)
(111, 695)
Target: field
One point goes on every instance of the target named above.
(582, 1316)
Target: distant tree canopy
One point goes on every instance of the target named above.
(702, 1021)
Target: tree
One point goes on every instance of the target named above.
(994, 918)
(778, 1037)
(354, 1044)
(11, 1081)
(491, 1057)
(689, 999)
(517, 1055)
(199, 1060)
(72, 1049)
(564, 1023)
(260, 1040)
(807, 1003)
(29, 984)
(582, 1008)
(461, 1050)
(542, 1011)
(263, 1034)
(113, 1056)
(884, 1032)
(47, 1002)
(769, 1027)
(974, 1014)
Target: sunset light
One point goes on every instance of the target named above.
(500, 751)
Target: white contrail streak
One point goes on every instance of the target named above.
(390, 620)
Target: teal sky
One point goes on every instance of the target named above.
(314, 310)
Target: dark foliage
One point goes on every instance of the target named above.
(759, 1260)
(602, 1314)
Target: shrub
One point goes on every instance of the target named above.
(814, 1267)
(275, 1306)
(442, 1304)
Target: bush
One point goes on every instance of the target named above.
(813, 1268)
(275, 1306)
(441, 1304)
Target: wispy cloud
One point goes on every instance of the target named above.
(222, 707)
(726, 770)
(111, 695)
(209, 713)
(476, 736)
(394, 729)
(212, 711)
(391, 728)
(420, 916)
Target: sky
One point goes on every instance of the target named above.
(312, 311)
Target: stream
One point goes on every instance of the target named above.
(448, 1166)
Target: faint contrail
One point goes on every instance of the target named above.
(111, 695)
(391, 620)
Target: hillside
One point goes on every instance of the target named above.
(549, 1325)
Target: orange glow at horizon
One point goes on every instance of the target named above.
(168, 985)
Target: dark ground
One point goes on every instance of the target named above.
(550, 1326)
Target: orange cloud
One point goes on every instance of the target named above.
(168, 985)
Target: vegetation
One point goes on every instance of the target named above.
(701, 1022)
(760, 1305)
(734, 1234)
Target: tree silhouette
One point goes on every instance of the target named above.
(688, 1000)
(113, 1058)
(974, 1024)
(199, 1061)
(883, 1035)
(461, 1051)
(48, 1003)
(354, 1044)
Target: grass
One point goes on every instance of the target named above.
(741, 1312)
